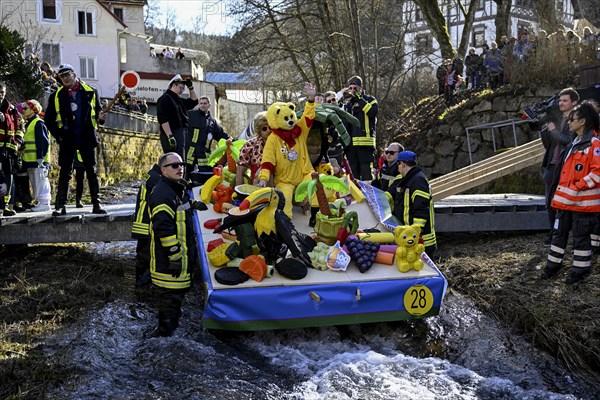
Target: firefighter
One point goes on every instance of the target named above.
(203, 129)
(73, 116)
(11, 138)
(412, 199)
(140, 229)
(173, 249)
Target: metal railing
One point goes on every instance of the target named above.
(494, 125)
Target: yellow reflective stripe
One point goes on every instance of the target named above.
(420, 221)
(202, 162)
(169, 282)
(406, 214)
(181, 232)
(11, 146)
(57, 108)
(190, 155)
(165, 208)
(169, 241)
(140, 228)
(363, 141)
(7, 133)
(195, 136)
(420, 193)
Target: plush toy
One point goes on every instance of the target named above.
(285, 155)
(221, 195)
(408, 253)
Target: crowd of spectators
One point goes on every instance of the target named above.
(518, 60)
(167, 52)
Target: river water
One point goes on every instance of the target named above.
(460, 354)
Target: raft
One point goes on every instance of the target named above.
(322, 298)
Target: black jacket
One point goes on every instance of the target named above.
(172, 238)
(365, 110)
(413, 204)
(90, 103)
(387, 174)
(202, 130)
(173, 109)
(141, 224)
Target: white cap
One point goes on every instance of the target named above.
(176, 78)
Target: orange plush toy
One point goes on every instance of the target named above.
(222, 194)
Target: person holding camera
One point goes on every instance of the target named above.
(171, 112)
(554, 138)
(360, 152)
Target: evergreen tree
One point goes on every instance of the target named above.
(22, 75)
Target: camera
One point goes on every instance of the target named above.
(541, 113)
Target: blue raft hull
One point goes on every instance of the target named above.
(323, 298)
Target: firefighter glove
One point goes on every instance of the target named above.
(172, 142)
(175, 269)
(189, 84)
(199, 205)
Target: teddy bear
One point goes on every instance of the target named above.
(285, 155)
(408, 253)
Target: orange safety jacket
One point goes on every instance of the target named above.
(578, 186)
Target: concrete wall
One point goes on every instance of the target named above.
(235, 116)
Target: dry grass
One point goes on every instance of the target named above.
(501, 272)
(44, 289)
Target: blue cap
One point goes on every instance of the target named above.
(407, 155)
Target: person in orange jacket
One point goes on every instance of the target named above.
(576, 195)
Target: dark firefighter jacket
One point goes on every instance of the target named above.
(141, 223)
(413, 203)
(11, 134)
(365, 110)
(202, 130)
(386, 175)
(172, 236)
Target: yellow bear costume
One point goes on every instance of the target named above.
(285, 154)
(408, 253)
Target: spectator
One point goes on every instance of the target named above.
(179, 55)
(522, 47)
(494, 66)
(72, 116)
(152, 52)
(449, 84)
(163, 53)
(554, 139)
(143, 106)
(458, 66)
(168, 52)
(473, 64)
(483, 77)
(440, 75)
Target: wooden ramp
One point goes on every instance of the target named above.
(487, 170)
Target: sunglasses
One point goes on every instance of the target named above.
(390, 152)
(175, 165)
(331, 101)
(573, 119)
(264, 128)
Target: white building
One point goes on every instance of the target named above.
(424, 49)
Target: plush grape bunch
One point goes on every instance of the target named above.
(362, 252)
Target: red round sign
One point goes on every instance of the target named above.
(130, 79)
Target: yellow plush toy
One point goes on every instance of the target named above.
(285, 155)
(408, 253)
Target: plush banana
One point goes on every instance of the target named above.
(209, 187)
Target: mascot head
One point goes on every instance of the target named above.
(282, 116)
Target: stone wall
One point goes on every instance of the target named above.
(445, 148)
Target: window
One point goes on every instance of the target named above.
(423, 44)
(480, 5)
(123, 50)
(478, 36)
(119, 13)
(87, 66)
(418, 14)
(49, 9)
(85, 23)
(524, 3)
(50, 53)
